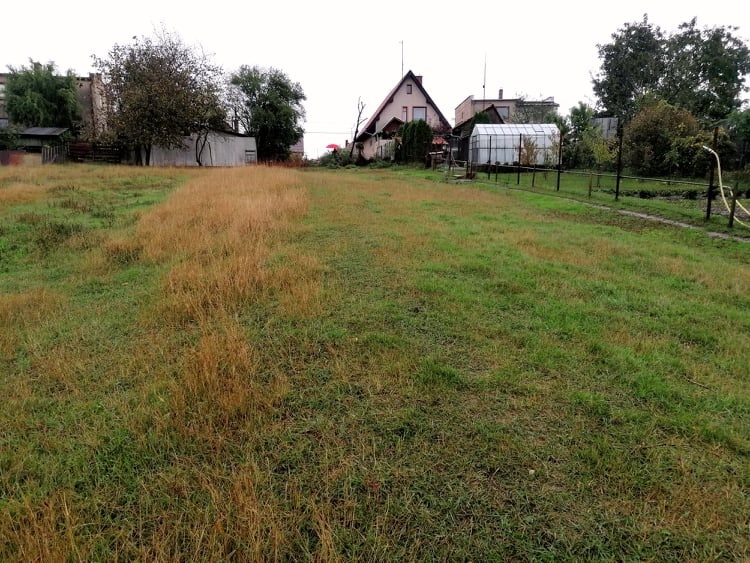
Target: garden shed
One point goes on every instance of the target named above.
(530, 144)
(218, 148)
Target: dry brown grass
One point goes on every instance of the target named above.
(18, 193)
(22, 311)
(217, 233)
(222, 382)
(44, 531)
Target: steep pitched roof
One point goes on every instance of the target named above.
(369, 128)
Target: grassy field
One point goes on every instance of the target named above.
(681, 200)
(270, 364)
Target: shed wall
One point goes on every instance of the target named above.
(220, 150)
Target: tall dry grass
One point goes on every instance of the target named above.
(22, 311)
(215, 240)
(218, 236)
(217, 233)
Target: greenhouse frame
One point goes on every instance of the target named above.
(527, 144)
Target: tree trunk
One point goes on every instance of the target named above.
(200, 145)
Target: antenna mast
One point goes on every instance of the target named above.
(484, 78)
(402, 58)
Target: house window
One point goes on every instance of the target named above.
(404, 113)
(408, 88)
(418, 113)
(503, 111)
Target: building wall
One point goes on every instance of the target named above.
(525, 111)
(91, 100)
(470, 107)
(220, 150)
(408, 97)
(416, 99)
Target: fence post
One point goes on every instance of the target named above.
(489, 155)
(710, 192)
(520, 147)
(619, 159)
(559, 161)
(734, 203)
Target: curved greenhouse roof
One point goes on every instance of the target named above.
(532, 129)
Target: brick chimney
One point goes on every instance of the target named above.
(500, 94)
(419, 79)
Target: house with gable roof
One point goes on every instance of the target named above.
(407, 101)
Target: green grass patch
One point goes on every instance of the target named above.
(422, 371)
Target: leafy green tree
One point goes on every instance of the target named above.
(9, 137)
(651, 135)
(706, 71)
(37, 96)
(739, 129)
(603, 151)
(268, 105)
(631, 66)
(580, 136)
(157, 91)
(687, 158)
(701, 71)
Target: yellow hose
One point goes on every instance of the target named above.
(721, 188)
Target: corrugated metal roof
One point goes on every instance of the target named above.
(44, 131)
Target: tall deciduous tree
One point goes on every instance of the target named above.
(706, 71)
(631, 66)
(270, 108)
(739, 128)
(701, 71)
(37, 96)
(581, 128)
(157, 91)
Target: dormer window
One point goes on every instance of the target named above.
(408, 88)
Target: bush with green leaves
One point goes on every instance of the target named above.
(416, 140)
(9, 137)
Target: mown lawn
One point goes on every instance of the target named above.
(271, 364)
(676, 199)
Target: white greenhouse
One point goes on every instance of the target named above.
(530, 144)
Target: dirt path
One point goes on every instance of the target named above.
(671, 222)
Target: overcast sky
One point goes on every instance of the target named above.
(341, 51)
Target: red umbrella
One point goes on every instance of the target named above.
(333, 146)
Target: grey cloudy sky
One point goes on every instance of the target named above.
(343, 51)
